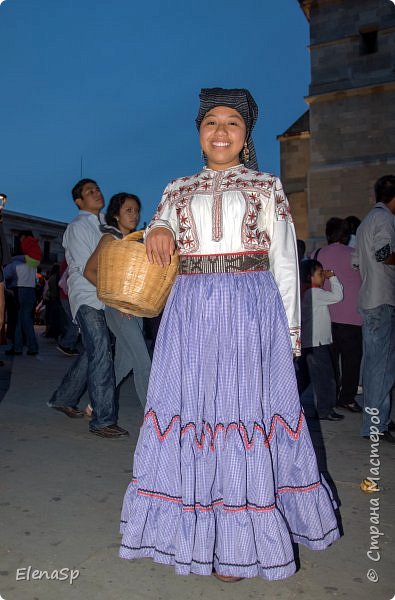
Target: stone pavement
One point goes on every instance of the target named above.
(62, 488)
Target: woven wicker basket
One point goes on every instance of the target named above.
(128, 282)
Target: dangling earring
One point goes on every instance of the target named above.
(204, 157)
(246, 153)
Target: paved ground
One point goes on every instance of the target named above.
(62, 488)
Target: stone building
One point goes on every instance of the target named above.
(49, 233)
(333, 154)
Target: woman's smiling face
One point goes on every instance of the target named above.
(222, 137)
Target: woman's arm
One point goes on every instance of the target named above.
(90, 271)
(324, 297)
(283, 257)
(160, 234)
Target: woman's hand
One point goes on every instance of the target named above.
(160, 246)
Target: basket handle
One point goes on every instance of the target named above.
(135, 236)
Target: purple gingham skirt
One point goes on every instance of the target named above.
(225, 474)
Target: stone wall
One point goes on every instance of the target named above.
(352, 108)
(342, 191)
(295, 161)
(352, 116)
(352, 145)
(337, 58)
(353, 125)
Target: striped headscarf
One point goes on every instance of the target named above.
(239, 99)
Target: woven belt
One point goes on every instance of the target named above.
(195, 264)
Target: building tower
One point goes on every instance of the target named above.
(331, 157)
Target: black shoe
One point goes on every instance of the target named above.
(67, 351)
(387, 437)
(12, 352)
(333, 416)
(353, 407)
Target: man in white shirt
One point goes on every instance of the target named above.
(375, 257)
(94, 366)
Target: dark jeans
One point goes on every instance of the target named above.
(378, 373)
(322, 376)
(70, 333)
(53, 318)
(24, 330)
(347, 346)
(11, 306)
(93, 369)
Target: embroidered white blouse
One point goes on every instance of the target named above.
(236, 210)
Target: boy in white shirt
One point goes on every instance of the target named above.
(317, 335)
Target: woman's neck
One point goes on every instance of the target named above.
(214, 167)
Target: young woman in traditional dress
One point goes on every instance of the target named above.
(225, 477)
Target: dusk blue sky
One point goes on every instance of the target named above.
(117, 84)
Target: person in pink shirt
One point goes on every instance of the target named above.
(346, 320)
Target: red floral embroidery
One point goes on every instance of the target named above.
(253, 237)
(187, 238)
(256, 188)
(282, 210)
(295, 339)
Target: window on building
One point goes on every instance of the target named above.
(368, 43)
(16, 245)
(47, 249)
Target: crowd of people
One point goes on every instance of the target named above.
(225, 478)
(348, 320)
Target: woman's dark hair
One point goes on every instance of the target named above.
(308, 268)
(384, 188)
(301, 246)
(115, 204)
(337, 230)
(353, 224)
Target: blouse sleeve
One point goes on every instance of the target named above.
(283, 257)
(325, 297)
(165, 215)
